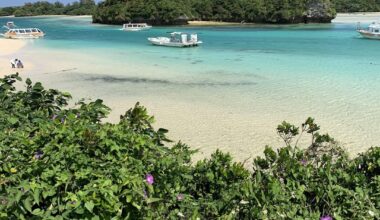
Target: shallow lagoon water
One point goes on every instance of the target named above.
(229, 93)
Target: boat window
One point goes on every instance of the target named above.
(28, 31)
(376, 30)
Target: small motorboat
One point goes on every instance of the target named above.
(10, 24)
(372, 32)
(177, 39)
(23, 33)
(136, 27)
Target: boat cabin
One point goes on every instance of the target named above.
(136, 26)
(24, 33)
(374, 28)
(176, 39)
(180, 37)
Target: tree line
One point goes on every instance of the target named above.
(357, 5)
(174, 11)
(82, 7)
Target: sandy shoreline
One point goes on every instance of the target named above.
(367, 17)
(9, 49)
(214, 23)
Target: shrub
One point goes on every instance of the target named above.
(65, 163)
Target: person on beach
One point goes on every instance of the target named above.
(13, 63)
(19, 64)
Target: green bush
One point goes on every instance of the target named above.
(65, 163)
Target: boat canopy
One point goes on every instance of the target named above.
(25, 30)
(374, 27)
(135, 25)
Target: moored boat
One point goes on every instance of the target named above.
(176, 39)
(10, 24)
(136, 27)
(372, 32)
(24, 33)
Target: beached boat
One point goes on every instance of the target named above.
(136, 27)
(372, 32)
(24, 33)
(177, 39)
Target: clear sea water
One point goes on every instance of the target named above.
(232, 91)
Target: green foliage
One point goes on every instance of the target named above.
(151, 11)
(357, 5)
(7, 11)
(58, 162)
(83, 7)
(178, 12)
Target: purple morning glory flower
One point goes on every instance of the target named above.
(180, 197)
(303, 162)
(327, 217)
(54, 117)
(63, 120)
(149, 179)
(38, 155)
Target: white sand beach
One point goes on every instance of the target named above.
(11, 49)
(357, 17)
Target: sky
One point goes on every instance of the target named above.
(5, 3)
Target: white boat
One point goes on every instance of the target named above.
(136, 27)
(372, 32)
(24, 33)
(177, 39)
(10, 24)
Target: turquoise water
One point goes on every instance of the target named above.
(232, 90)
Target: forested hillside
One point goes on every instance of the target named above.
(173, 12)
(178, 11)
(357, 5)
(82, 7)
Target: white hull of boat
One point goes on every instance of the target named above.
(369, 35)
(22, 37)
(165, 41)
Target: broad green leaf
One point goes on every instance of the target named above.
(89, 206)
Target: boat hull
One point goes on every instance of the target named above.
(23, 36)
(369, 35)
(136, 29)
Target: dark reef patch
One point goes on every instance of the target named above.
(140, 80)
